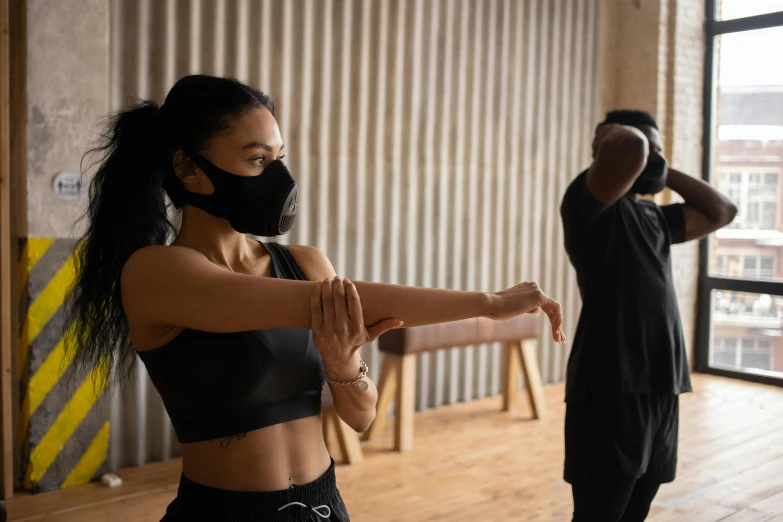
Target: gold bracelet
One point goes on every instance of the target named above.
(359, 381)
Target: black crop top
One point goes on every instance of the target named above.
(219, 385)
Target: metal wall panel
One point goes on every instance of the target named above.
(432, 142)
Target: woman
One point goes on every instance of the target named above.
(222, 322)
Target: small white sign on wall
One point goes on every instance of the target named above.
(68, 185)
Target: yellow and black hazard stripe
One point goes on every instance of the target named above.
(65, 432)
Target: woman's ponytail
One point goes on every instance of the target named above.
(126, 211)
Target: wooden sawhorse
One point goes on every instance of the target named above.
(398, 375)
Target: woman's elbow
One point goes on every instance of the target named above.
(361, 421)
(365, 424)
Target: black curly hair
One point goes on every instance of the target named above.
(632, 117)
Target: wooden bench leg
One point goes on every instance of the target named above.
(349, 442)
(511, 368)
(331, 437)
(535, 386)
(404, 407)
(341, 439)
(387, 386)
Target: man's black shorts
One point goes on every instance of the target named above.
(622, 435)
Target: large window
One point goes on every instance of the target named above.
(733, 9)
(748, 352)
(741, 301)
(755, 191)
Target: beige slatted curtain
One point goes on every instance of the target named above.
(432, 141)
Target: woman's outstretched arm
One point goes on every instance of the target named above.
(176, 286)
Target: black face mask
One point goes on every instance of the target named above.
(263, 205)
(653, 178)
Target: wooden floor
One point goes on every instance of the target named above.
(473, 463)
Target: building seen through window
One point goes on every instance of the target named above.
(747, 328)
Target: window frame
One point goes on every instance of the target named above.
(707, 283)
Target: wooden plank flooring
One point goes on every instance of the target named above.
(471, 462)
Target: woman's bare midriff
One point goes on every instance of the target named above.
(262, 460)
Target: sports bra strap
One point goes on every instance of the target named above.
(283, 262)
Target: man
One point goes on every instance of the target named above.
(628, 364)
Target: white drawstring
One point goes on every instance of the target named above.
(314, 509)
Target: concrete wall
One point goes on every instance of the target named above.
(67, 93)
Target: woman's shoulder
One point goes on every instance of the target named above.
(306, 252)
(155, 254)
(313, 262)
(157, 260)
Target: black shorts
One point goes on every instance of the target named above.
(198, 502)
(628, 435)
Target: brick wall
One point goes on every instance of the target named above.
(686, 131)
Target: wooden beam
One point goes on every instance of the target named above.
(331, 437)
(511, 367)
(18, 203)
(387, 386)
(6, 245)
(18, 35)
(405, 404)
(350, 446)
(341, 441)
(533, 383)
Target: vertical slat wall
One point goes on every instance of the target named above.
(432, 142)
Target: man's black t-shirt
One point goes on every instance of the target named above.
(629, 336)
